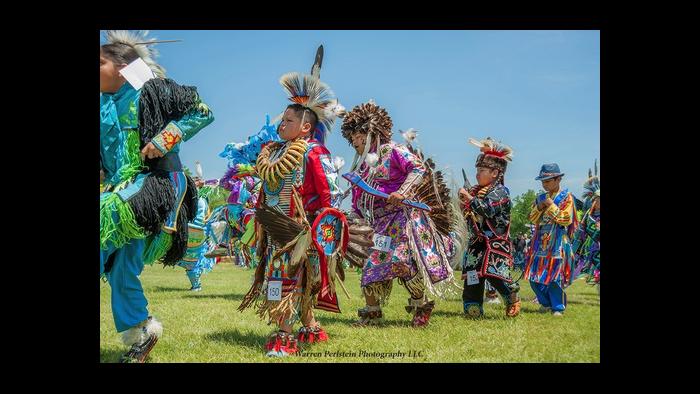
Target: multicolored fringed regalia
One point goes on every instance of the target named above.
(302, 237)
(550, 257)
(415, 244)
(550, 260)
(586, 244)
(489, 254)
(146, 205)
(244, 186)
(206, 231)
(241, 218)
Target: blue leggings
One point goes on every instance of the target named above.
(128, 301)
(551, 295)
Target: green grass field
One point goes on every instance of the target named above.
(206, 327)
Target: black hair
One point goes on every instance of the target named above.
(306, 113)
(119, 53)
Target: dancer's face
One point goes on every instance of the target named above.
(551, 185)
(358, 141)
(291, 127)
(486, 176)
(110, 79)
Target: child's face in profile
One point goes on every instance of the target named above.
(485, 176)
(358, 141)
(110, 79)
(291, 127)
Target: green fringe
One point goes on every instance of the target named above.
(216, 195)
(121, 231)
(131, 157)
(157, 248)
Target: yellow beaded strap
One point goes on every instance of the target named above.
(273, 172)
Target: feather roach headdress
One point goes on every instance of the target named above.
(141, 44)
(493, 154)
(310, 92)
(368, 118)
(373, 120)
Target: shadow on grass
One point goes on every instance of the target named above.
(533, 311)
(231, 297)
(591, 302)
(325, 318)
(111, 355)
(487, 315)
(248, 339)
(166, 289)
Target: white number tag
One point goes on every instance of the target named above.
(274, 290)
(472, 278)
(382, 242)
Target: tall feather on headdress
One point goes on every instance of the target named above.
(591, 188)
(492, 148)
(595, 166)
(141, 44)
(318, 61)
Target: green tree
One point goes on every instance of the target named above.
(519, 213)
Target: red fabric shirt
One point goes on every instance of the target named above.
(315, 191)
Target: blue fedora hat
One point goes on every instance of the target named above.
(549, 171)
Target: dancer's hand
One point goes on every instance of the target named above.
(150, 151)
(548, 202)
(464, 195)
(102, 176)
(395, 198)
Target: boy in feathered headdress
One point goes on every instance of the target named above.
(147, 199)
(487, 208)
(301, 236)
(550, 260)
(413, 245)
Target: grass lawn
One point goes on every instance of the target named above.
(206, 327)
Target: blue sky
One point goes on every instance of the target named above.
(537, 91)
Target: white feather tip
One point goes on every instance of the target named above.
(475, 143)
(338, 163)
(372, 159)
(409, 135)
